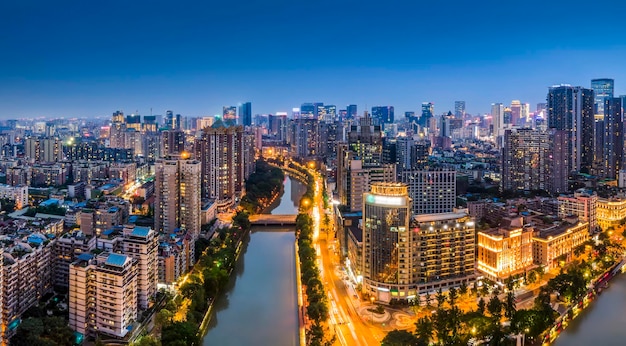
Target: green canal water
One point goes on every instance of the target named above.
(259, 306)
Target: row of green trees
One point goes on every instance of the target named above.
(317, 304)
(262, 185)
(209, 276)
(450, 326)
(316, 301)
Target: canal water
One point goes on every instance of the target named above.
(259, 306)
(603, 322)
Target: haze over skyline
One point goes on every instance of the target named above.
(76, 58)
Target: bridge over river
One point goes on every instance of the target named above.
(273, 220)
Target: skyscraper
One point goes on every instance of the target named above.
(383, 115)
(387, 240)
(613, 137)
(229, 112)
(221, 152)
(177, 196)
(172, 143)
(245, 114)
(172, 121)
(351, 111)
(308, 110)
(359, 163)
(459, 109)
(535, 160)
(428, 111)
(571, 109)
(306, 137)
(516, 112)
(603, 90)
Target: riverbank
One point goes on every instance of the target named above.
(573, 312)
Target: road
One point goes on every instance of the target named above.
(348, 326)
(345, 322)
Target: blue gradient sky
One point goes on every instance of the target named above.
(88, 58)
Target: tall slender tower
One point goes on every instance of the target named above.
(613, 137)
(571, 109)
(177, 195)
(221, 151)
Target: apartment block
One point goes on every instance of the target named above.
(103, 294)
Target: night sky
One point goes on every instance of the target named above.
(90, 58)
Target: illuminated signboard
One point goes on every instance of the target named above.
(384, 200)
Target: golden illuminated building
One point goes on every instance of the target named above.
(610, 212)
(554, 244)
(503, 252)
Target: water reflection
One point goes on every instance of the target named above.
(260, 307)
(603, 322)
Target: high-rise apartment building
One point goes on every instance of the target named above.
(103, 294)
(497, 119)
(43, 149)
(177, 193)
(613, 137)
(516, 112)
(535, 160)
(459, 109)
(359, 163)
(306, 137)
(570, 109)
(133, 121)
(221, 152)
(602, 89)
(245, 114)
(172, 143)
(142, 244)
(432, 191)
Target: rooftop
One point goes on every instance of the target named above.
(116, 260)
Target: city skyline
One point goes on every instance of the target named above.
(90, 61)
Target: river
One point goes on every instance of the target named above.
(259, 306)
(603, 322)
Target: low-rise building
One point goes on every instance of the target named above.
(554, 243)
(610, 212)
(505, 251)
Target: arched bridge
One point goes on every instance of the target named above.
(273, 220)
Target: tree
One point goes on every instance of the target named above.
(147, 340)
(495, 307)
(164, 318)
(532, 277)
(484, 289)
(401, 338)
(424, 329)
(509, 305)
(242, 219)
(441, 299)
(179, 334)
(452, 295)
(481, 306)
(463, 289)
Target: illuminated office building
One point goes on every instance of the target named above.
(387, 243)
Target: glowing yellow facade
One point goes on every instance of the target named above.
(557, 243)
(610, 212)
(504, 252)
